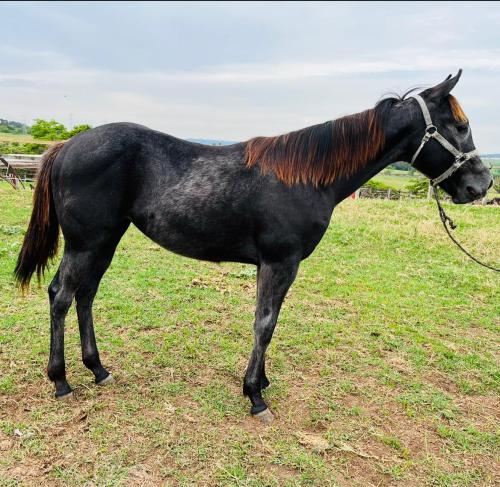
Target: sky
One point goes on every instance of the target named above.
(234, 70)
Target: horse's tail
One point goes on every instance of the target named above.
(42, 237)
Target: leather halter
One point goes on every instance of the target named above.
(431, 132)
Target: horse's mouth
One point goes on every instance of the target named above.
(459, 201)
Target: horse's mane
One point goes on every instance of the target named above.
(323, 153)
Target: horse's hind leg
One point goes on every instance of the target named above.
(98, 262)
(90, 353)
(78, 276)
(60, 298)
(61, 292)
(84, 300)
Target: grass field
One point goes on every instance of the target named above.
(22, 139)
(397, 181)
(384, 365)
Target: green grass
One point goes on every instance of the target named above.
(394, 178)
(384, 364)
(396, 182)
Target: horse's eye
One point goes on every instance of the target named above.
(462, 127)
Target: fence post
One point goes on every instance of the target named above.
(429, 191)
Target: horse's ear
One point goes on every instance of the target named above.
(444, 88)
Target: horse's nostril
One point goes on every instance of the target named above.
(491, 184)
(472, 191)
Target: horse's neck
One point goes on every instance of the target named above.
(345, 187)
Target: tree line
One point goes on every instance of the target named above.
(43, 129)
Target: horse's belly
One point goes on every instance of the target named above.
(203, 238)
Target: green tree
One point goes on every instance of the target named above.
(418, 186)
(48, 130)
(79, 128)
(374, 184)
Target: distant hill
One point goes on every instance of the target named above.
(212, 141)
(12, 127)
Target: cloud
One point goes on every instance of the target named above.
(403, 60)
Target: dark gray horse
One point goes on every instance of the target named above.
(266, 202)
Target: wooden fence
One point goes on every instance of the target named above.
(388, 194)
(18, 169)
(391, 194)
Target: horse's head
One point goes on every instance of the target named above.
(448, 156)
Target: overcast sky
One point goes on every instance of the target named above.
(235, 70)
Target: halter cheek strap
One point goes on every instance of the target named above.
(431, 132)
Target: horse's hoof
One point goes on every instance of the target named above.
(109, 378)
(64, 397)
(265, 417)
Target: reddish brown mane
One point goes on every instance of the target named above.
(458, 114)
(322, 153)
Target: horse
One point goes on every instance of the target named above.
(267, 201)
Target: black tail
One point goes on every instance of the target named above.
(42, 236)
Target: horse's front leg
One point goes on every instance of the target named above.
(273, 282)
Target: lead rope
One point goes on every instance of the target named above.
(445, 219)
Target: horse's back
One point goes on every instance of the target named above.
(171, 189)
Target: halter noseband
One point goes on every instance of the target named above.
(431, 132)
